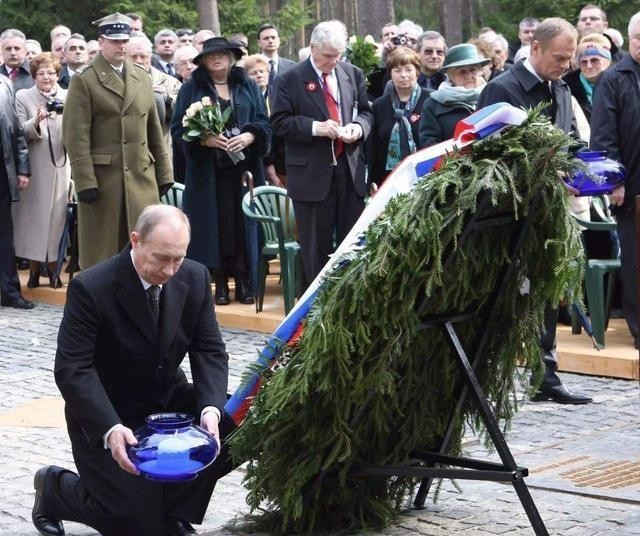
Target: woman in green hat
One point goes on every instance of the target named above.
(456, 97)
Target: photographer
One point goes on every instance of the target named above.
(38, 218)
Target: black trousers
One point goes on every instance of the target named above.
(318, 222)
(9, 281)
(116, 503)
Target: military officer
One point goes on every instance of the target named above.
(119, 160)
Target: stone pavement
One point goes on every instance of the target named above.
(584, 460)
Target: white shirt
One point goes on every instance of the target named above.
(332, 82)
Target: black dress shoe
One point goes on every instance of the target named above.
(43, 522)
(34, 280)
(177, 527)
(17, 303)
(243, 292)
(559, 393)
(222, 293)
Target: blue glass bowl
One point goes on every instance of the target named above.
(171, 448)
(601, 175)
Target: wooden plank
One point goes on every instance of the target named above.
(618, 360)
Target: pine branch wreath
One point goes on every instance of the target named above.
(362, 355)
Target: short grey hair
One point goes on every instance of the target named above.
(76, 36)
(409, 26)
(330, 32)
(165, 32)
(142, 39)
(430, 35)
(154, 215)
(527, 22)
(635, 19)
(12, 33)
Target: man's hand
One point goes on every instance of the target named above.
(209, 421)
(118, 439)
(328, 129)
(23, 182)
(164, 188)
(617, 196)
(88, 196)
(272, 177)
(351, 132)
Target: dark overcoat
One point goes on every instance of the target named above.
(200, 199)
(115, 144)
(114, 365)
(383, 121)
(439, 121)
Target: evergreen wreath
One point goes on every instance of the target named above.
(362, 354)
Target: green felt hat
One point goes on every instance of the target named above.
(462, 55)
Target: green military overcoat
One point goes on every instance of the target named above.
(115, 144)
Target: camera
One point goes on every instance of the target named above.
(400, 40)
(55, 105)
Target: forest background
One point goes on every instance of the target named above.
(457, 20)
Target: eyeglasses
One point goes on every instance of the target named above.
(589, 61)
(433, 51)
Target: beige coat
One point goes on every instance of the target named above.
(115, 144)
(38, 218)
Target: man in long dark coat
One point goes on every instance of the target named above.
(527, 84)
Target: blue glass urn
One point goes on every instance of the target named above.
(171, 448)
(601, 175)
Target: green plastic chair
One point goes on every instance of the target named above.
(174, 195)
(595, 270)
(271, 207)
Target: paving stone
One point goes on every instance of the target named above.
(541, 433)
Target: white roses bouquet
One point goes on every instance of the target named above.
(205, 118)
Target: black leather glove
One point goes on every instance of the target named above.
(164, 188)
(88, 196)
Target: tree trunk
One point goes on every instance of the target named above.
(451, 20)
(208, 15)
(372, 15)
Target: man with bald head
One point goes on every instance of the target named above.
(529, 83)
(127, 325)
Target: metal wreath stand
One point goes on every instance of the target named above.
(438, 464)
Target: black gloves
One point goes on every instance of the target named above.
(164, 188)
(88, 196)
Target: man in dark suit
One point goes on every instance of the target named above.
(321, 110)
(269, 43)
(127, 325)
(527, 84)
(75, 55)
(14, 54)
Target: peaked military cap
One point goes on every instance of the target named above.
(116, 26)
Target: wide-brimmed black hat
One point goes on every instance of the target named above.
(217, 44)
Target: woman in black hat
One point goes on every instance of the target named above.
(213, 183)
(457, 96)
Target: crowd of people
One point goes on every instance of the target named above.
(105, 122)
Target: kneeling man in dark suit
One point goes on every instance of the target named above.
(127, 325)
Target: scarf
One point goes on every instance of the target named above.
(456, 95)
(401, 141)
(588, 88)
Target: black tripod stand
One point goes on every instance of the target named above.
(430, 465)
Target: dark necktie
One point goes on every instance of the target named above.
(334, 113)
(272, 72)
(170, 70)
(153, 296)
(13, 74)
(550, 110)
